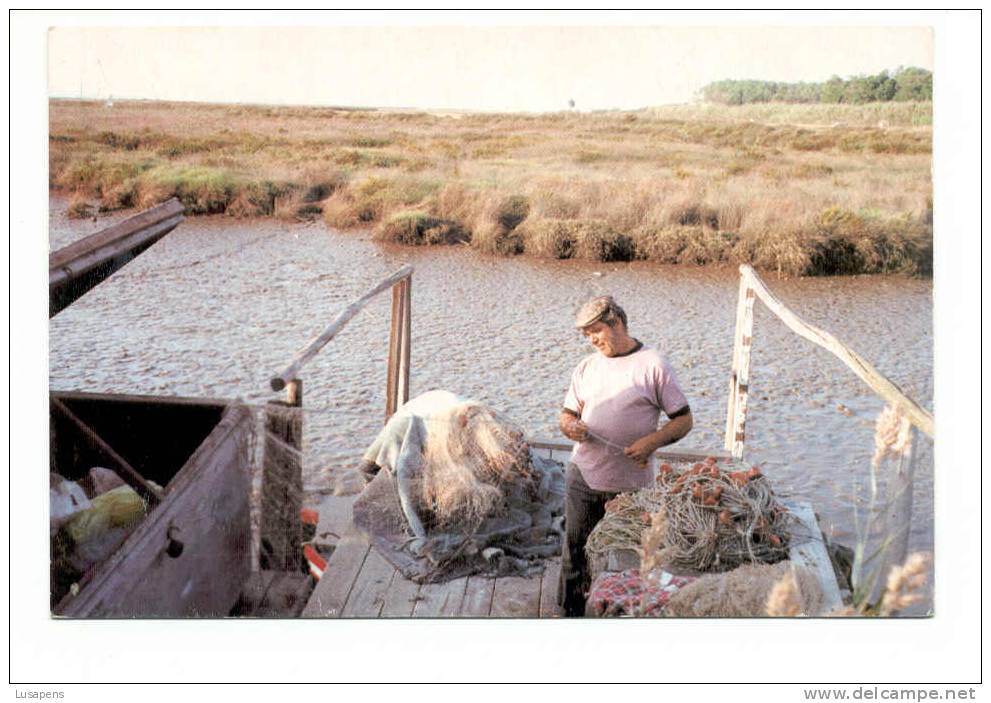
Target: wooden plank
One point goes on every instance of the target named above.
(549, 584)
(516, 597)
(292, 370)
(400, 597)
(440, 600)
(368, 594)
(343, 567)
(878, 382)
(206, 508)
(477, 601)
(812, 554)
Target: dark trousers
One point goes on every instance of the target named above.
(583, 508)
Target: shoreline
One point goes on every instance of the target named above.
(369, 234)
(691, 185)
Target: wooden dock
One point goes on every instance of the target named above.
(359, 583)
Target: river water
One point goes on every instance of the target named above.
(220, 305)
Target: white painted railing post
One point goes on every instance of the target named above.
(736, 411)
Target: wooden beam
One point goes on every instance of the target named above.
(116, 461)
(739, 382)
(281, 530)
(879, 383)
(78, 267)
(279, 381)
(812, 554)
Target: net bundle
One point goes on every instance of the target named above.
(474, 458)
(702, 519)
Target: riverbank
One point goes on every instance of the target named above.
(790, 188)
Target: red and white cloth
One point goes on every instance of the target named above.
(625, 594)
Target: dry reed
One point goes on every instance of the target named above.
(796, 190)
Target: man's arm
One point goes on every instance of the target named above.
(669, 433)
(571, 426)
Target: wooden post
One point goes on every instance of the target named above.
(736, 411)
(397, 377)
(898, 508)
(282, 483)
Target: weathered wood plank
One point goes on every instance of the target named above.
(440, 600)
(549, 584)
(368, 594)
(400, 597)
(812, 554)
(343, 567)
(516, 597)
(477, 601)
(205, 508)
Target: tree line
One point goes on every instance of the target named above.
(903, 85)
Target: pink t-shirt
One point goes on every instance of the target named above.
(620, 399)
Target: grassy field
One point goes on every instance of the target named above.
(800, 189)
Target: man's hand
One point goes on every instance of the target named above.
(641, 450)
(573, 428)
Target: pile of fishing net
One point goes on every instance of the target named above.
(700, 519)
(750, 590)
(459, 492)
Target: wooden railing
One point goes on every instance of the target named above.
(283, 466)
(899, 468)
(751, 287)
(397, 389)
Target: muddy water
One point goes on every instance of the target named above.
(218, 306)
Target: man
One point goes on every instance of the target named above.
(611, 410)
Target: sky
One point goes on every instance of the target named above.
(535, 68)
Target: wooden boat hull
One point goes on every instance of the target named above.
(190, 556)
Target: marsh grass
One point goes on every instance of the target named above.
(797, 189)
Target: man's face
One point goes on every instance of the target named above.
(603, 337)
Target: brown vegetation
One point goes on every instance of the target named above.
(796, 189)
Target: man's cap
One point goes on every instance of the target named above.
(596, 310)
